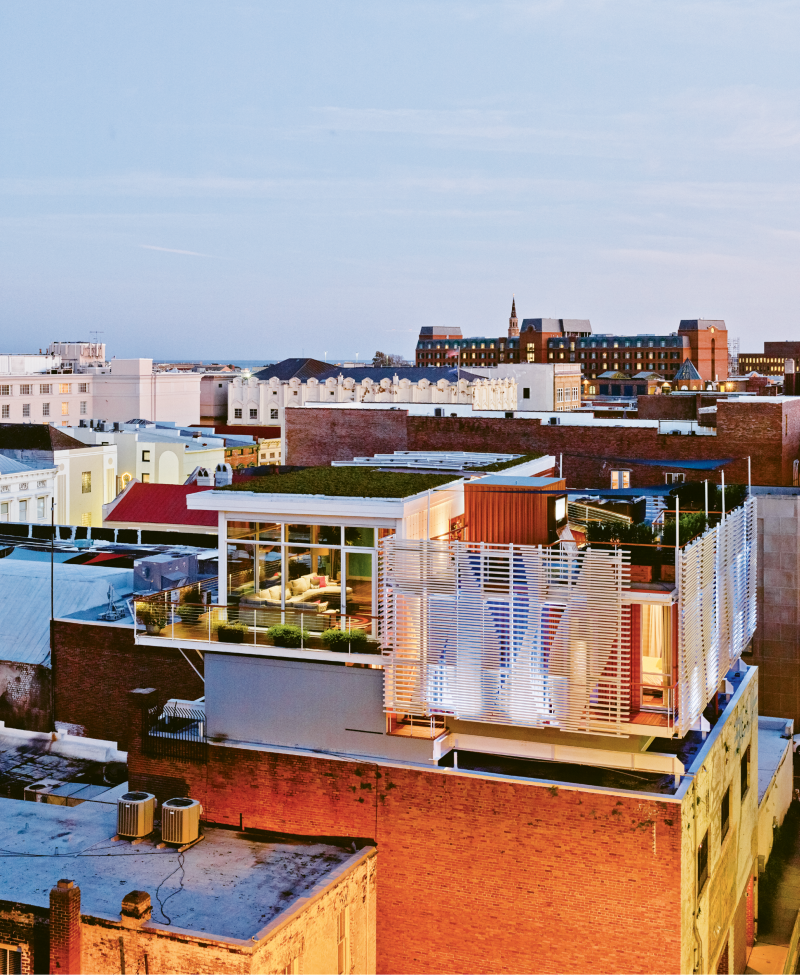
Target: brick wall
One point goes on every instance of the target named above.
(476, 874)
(95, 666)
(769, 433)
(25, 696)
(654, 407)
(28, 928)
(318, 437)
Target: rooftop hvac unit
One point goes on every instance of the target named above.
(135, 812)
(38, 792)
(180, 820)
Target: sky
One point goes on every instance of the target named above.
(259, 180)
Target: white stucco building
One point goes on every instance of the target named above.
(155, 454)
(128, 388)
(26, 490)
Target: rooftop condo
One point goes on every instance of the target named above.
(470, 596)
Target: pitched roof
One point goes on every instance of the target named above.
(412, 373)
(688, 371)
(10, 466)
(161, 504)
(300, 367)
(39, 437)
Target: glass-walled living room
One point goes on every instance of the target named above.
(324, 571)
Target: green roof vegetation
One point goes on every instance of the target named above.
(499, 466)
(354, 482)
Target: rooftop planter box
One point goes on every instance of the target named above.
(232, 632)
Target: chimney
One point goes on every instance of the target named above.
(136, 907)
(65, 928)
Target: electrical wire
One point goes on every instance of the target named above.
(162, 902)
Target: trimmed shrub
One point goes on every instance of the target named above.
(233, 632)
(339, 640)
(287, 635)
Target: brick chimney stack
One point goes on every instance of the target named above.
(65, 928)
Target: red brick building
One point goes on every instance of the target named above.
(703, 341)
(766, 430)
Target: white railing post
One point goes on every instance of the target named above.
(723, 495)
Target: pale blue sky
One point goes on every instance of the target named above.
(265, 179)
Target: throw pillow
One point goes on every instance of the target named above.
(298, 587)
(314, 580)
(322, 581)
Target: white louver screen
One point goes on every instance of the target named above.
(717, 608)
(519, 635)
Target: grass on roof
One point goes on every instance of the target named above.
(355, 482)
(499, 466)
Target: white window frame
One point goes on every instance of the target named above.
(6, 949)
(620, 478)
(674, 478)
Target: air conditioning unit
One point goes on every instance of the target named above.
(38, 792)
(180, 820)
(135, 812)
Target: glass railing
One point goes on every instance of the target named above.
(160, 616)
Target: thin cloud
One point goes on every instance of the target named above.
(194, 254)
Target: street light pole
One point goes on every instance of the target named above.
(52, 558)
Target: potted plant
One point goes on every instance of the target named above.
(153, 617)
(287, 635)
(232, 632)
(340, 640)
(191, 607)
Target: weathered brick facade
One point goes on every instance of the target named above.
(477, 874)
(94, 666)
(303, 939)
(767, 432)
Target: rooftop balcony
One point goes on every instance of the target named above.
(193, 617)
(555, 637)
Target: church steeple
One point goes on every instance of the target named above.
(513, 324)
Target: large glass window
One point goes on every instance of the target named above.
(358, 578)
(359, 536)
(299, 564)
(656, 631)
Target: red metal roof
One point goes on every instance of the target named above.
(163, 504)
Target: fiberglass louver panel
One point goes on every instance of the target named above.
(519, 635)
(717, 608)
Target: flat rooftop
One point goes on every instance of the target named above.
(773, 745)
(233, 883)
(345, 481)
